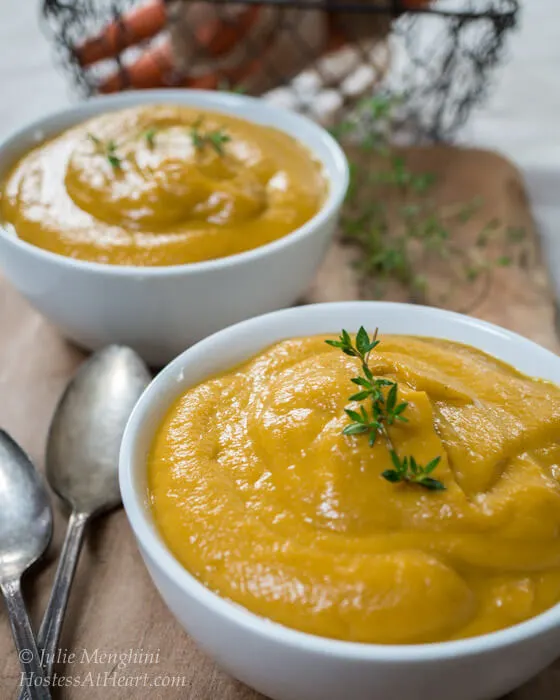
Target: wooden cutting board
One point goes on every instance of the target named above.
(114, 608)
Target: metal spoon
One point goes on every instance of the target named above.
(82, 462)
(25, 533)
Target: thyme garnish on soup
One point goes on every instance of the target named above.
(107, 149)
(379, 409)
(216, 139)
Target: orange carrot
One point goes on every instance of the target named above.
(218, 36)
(153, 68)
(135, 26)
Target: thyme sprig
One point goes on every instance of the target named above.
(393, 218)
(107, 149)
(384, 409)
(381, 410)
(216, 139)
(407, 469)
(150, 136)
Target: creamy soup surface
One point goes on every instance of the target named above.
(161, 185)
(261, 497)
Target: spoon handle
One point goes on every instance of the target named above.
(51, 625)
(32, 678)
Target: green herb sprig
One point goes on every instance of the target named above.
(215, 139)
(380, 410)
(108, 149)
(398, 236)
(407, 469)
(150, 136)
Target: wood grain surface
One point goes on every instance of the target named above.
(114, 608)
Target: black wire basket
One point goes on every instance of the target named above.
(316, 56)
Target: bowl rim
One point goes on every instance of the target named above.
(145, 531)
(213, 100)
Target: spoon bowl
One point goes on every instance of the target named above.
(25, 533)
(85, 434)
(25, 512)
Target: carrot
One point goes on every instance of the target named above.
(153, 68)
(135, 26)
(218, 36)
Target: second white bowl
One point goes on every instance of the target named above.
(159, 311)
(285, 664)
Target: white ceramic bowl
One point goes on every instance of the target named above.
(161, 310)
(289, 665)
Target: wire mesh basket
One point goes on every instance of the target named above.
(316, 56)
